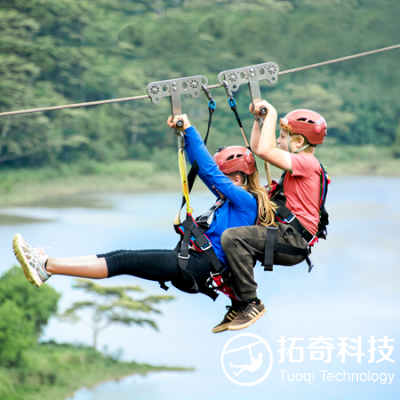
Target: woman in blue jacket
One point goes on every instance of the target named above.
(241, 209)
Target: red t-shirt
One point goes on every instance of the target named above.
(302, 190)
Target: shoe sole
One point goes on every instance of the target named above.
(221, 328)
(247, 324)
(28, 270)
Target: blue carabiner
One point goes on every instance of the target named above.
(232, 102)
(212, 104)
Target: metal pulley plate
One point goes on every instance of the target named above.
(190, 85)
(236, 77)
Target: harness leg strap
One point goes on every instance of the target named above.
(309, 263)
(296, 251)
(270, 246)
(183, 254)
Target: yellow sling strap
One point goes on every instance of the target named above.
(184, 180)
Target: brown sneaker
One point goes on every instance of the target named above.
(247, 316)
(228, 318)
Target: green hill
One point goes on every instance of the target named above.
(67, 51)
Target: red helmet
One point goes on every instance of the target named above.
(235, 158)
(307, 123)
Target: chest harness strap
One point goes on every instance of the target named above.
(285, 216)
(193, 234)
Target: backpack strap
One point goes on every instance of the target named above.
(285, 216)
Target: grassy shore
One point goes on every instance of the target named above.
(24, 186)
(54, 371)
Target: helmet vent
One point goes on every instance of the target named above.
(306, 120)
(307, 123)
(234, 159)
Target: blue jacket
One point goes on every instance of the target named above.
(241, 207)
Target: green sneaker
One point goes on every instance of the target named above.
(247, 315)
(32, 260)
(228, 318)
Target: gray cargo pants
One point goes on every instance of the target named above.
(245, 245)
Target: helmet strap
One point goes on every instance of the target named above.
(297, 151)
(243, 175)
(301, 148)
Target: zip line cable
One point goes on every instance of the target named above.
(290, 71)
(120, 100)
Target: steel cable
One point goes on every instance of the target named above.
(120, 100)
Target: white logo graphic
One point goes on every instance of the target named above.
(250, 357)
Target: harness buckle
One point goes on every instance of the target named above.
(313, 241)
(289, 219)
(206, 246)
(183, 257)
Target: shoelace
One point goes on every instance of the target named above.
(40, 249)
(35, 262)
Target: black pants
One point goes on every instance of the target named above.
(160, 266)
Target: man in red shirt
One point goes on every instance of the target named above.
(301, 131)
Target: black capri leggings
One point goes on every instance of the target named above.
(159, 266)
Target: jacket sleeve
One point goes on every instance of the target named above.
(191, 158)
(212, 176)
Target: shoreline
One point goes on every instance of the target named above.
(28, 186)
(64, 369)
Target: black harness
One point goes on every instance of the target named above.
(192, 233)
(285, 216)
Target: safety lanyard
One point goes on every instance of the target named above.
(187, 180)
(184, 180)
(195, 167)
(232, 104)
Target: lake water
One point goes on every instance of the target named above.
(353, 293)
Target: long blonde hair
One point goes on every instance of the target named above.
(266, 208)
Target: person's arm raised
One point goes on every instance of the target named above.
(188, 147)
(267, 149)
(255, 135)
